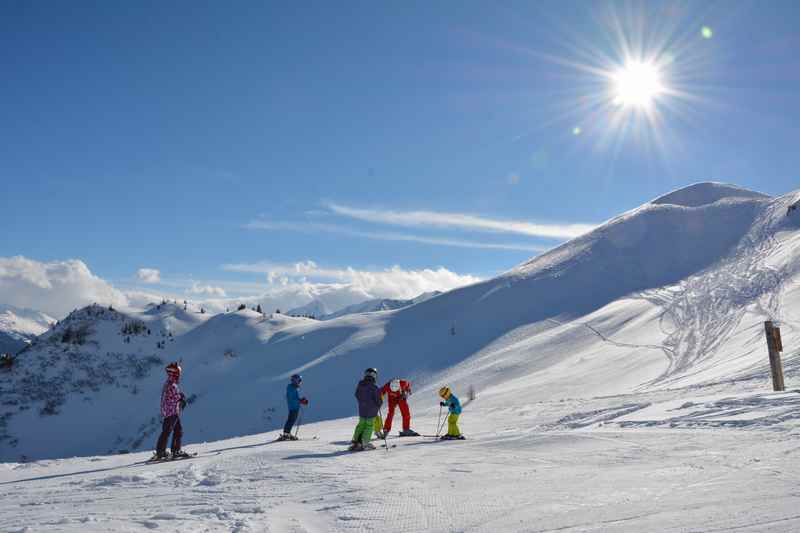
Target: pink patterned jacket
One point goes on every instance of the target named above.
(170, 398)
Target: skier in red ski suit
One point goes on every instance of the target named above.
(397, 391)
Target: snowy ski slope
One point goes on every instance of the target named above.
(622, 385)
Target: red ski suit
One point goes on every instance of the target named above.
(397, 399)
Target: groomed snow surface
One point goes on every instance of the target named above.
(715, 459)
(622, 384)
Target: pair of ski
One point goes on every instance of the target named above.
(281, 439)
(374, 447)
(387, 445)
(437, 437)
(169, 458)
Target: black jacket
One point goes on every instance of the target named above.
(369, 398)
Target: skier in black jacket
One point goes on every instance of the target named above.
(369, 403)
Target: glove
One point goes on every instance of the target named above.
(443, 404)
(404, 396)
(182, 403)
(303, 401)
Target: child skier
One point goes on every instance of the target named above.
(172, 402)
(294, 401)
(454, 407)
(398, 390)
(369, 402)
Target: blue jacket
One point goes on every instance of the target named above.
(453, 405)
(369, 398)
(293, 397)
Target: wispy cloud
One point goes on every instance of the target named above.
(148, 275)
(207, 290)
(461, 221)
(261, 224)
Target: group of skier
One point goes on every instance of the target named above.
(370, 400)
(369, 396)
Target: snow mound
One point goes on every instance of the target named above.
(705, 193)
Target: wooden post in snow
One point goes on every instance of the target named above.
(775, 348)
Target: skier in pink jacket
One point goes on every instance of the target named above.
(172, 402)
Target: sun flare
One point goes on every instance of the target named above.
(637, 85)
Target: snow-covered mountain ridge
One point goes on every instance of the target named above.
(671, 294)
(378, 304)
(18, 327)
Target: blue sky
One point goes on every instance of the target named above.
(185, 136)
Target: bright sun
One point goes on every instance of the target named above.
(637, 85)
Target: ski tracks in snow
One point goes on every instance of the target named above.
(702, 312)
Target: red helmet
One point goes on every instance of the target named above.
(173, 369)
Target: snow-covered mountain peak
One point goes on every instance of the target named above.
(25, 321)
(18, 327)
(705, 193)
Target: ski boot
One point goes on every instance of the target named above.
(180, 454)
(356, 446)
(367, 446)
(380, 435)
(159, 456)
(409, 433)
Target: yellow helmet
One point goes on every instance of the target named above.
(444, 392)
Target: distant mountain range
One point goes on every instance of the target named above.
(18, 327)
(319, 310)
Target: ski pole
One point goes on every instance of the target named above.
(385, 443)
(439, 421)
(299, 421)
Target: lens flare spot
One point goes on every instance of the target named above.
(577, 130)
(706, 32)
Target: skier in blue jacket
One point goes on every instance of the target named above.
(294, 401)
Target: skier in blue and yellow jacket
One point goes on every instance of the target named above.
(454, 408)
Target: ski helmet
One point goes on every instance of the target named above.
(296, 379)
(174, 369)
(394, 385)
(444, 392)
(371, 373)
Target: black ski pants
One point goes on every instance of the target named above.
(287, 428)
(171, 424)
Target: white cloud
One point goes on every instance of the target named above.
(394, 282)
(148, 275)
(55, 287)
(389, 236)
(141, 299)
(461, 221)
(58, 287)
(207, 290)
